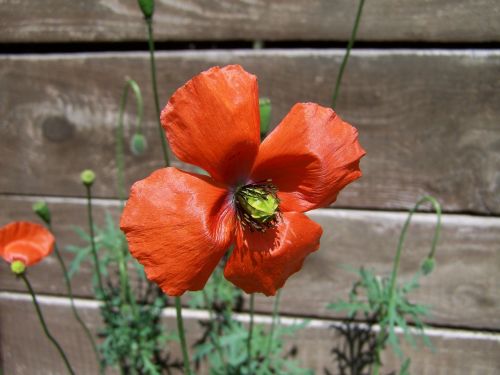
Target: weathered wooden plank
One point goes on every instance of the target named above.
(25, 350)
(428, 119)
(386, 20)
(463, 291)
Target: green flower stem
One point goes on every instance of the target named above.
(120, 163)
(125, 289)
(215, 338)
(44, 326)
(182, 336)
(92, 240)
(72, 302)
(347, 53)
(274, 322)
(178, 306)
(392, 283)
(250, 332)
(151, 43)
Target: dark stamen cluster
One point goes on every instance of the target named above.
(259, 190)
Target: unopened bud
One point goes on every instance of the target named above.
(138, 144)
(42, 210)
(147, 7)
(17, 267)
(265, 115)
(428, 265)
(87, 177)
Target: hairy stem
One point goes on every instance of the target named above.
(44, 325)
(151, 43)
(69, 290)
(250, 332)
(347, 53)
(215, 337)
(182, 336)
(120, 163)
(274, 322)
(92, 241)
(380, 340)
(178, 306)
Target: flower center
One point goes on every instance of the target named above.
(257, 206)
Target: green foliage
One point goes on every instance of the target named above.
(224, 343)
(133, 337)
(371, 298)
(383, 301)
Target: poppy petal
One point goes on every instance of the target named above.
(213, 122)
(178, 225)
(310, 156)
(25, 241)
(262, 262)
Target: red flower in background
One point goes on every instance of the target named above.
(25, 242)
(180, 224)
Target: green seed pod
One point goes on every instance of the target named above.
(138, 144)
(262, 208)
(87, 177)
(17, 267)
(42, 210)
(147, 7)
(265, 115)
(428, 265)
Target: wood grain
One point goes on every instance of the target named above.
(464, 290)
(428, 119)
(119, 20)
(26, 351)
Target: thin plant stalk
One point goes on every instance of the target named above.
(178, 304)
(215, 338)
(151, 44)
(392, 282)
(182, 335)
(274, 322)
(92, 240)
(44, 325)
(347, 53)
(72, 302)
(250, 331)
(120, 163)
(125, 290)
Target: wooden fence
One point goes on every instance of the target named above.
(423, 89)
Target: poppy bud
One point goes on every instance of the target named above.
(265, 115)
(138, 144)
(147, 7)
(87, 177)
(17, 267)
(42, 210)
(428, 265)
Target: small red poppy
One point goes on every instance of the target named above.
(180, 224)
(25, 242)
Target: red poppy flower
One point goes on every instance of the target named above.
(25, 242)
(180, 224)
